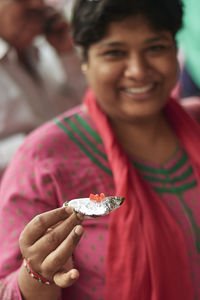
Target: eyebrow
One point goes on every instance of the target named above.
(110, 44)
(157, 39)
(148, 41)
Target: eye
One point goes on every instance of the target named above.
(157, 48)
(114, 53)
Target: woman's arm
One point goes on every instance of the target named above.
(48, 248)
(25, 192)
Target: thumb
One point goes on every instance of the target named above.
(65, 279)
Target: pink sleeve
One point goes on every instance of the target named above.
(26, 190)
(9, 288)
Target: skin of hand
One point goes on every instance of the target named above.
(56, 31)
(48, 242)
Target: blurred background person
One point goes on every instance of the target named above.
(40, 73)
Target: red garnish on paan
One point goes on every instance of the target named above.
(97, 197)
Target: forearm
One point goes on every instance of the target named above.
(31, 289)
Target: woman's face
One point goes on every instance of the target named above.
(132, 69)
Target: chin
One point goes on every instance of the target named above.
(139, 115)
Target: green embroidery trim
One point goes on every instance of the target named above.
(195, 227)
(81, 134)
(178, 148)
(82, 147)
(172, 190)
(176, 189)
(89, 129)
(177, 166)
(183, 176)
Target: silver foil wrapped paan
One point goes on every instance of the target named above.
(92, 208)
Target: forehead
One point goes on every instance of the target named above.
(133, 29)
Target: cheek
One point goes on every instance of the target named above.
(168, 69)
(173, 76)
(103, 75)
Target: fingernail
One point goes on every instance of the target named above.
(69, 210)
(73, 276)
(79, 230)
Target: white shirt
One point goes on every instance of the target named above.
(25, 103)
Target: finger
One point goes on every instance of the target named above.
(62, 44)
(50, 241)
(57, 259)
(50, 24)
(39, 225)
(66, 279)
(58, 27)
(34, 4)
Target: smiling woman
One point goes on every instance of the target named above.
(132, 69)
(129, 139)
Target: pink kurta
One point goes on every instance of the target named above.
(65, 159)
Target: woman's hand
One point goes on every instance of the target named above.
(48, 242)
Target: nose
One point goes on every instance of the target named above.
(137, 67)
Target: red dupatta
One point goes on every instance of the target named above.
(146, 256)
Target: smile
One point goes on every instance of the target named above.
(139, 90)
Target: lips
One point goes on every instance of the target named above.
(138, 90)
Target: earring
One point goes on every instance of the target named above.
(84, 68)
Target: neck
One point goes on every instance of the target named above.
(26, 61)
(152, 140)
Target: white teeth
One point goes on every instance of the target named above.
(139, 90)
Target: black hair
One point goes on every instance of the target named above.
(90, 18)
